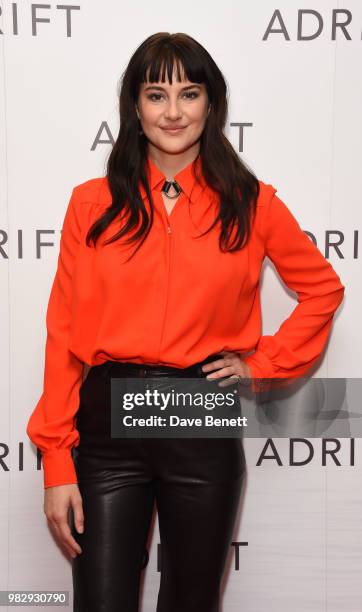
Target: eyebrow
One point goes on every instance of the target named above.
(163, 89)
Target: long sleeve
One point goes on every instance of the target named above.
(51, 424)
(300, 339)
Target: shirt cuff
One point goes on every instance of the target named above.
(59, 468)
(261, 369)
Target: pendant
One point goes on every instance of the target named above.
(167, 186)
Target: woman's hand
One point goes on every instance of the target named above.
(231, 365)
(57, 503)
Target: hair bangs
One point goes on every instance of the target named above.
(165, 60)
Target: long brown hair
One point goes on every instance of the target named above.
(223, 170)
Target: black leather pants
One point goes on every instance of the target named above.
(195, 484)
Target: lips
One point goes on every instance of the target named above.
(174, 129)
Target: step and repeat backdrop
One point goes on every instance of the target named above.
(293, 71)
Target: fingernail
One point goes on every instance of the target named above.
(80, 529)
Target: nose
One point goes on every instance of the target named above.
(172, 110)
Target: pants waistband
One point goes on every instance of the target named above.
(141, 370)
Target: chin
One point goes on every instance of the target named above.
(176, 147)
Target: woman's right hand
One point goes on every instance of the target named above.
(57, 503)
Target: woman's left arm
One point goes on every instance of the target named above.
(300, 339)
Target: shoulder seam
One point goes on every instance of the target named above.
(267, 191)
(93, 190)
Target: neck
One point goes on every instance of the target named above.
(171, 164)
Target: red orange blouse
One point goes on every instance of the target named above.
(178, 300)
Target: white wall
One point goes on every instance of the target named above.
(302, 102)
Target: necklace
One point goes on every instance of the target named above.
(166, 188)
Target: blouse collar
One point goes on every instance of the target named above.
(193, 186)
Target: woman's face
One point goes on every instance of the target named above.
(181, 105)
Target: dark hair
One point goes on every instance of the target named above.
(222, 168)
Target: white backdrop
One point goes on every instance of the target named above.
(295, 97)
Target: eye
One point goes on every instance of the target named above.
(192, 94)
(151, 96)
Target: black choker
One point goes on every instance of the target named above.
(166, 188)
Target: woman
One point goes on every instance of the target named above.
(172, 290)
